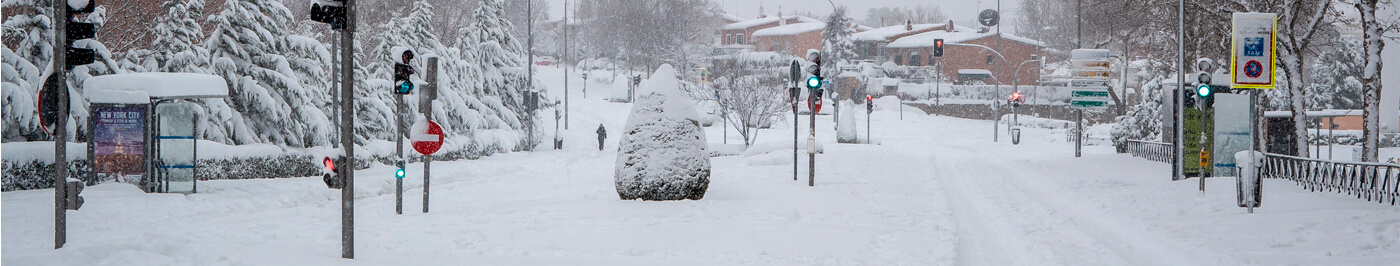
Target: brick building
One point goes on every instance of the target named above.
(741, 33)
(917, 50)
(870, 44)
(792, 39)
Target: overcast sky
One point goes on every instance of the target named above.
(959, 10)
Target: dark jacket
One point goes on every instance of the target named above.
(602, 133)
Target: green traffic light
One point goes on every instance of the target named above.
(1203, 90)
(399, 173)
(405, 87)
(814, 82)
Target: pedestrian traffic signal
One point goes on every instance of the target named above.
(71, 197)
(403, 71)
(329, 173)
(75, 31)
(937, 47)
(330, 12)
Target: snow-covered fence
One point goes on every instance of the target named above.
(1370, 181)
(1154, 151)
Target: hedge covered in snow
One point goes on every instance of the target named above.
(663, 152)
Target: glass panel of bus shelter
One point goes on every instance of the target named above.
(176, 152)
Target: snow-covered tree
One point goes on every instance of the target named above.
(663, 152)
(32, 63)
(500, 58)
(751, 88)
(249, 49)
(177, 35)
(837, 45)
(1373, 30)
(1144, 120)
(1336, 77)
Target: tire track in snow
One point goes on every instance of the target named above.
(978, 244)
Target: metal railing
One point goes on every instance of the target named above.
(1154, 151)
(1370, 181)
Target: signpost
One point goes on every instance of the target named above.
(1253, 44)
(1088, 87)
(794, 94)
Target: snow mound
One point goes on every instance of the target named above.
(846, 129)
(663, 151)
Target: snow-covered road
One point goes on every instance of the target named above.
(935, 191)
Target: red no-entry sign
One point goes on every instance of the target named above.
(426, 137)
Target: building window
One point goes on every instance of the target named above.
(932, 61)
(898, 60)
(729, 39)
(914, 59)
(740, 37)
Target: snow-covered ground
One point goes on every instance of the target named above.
(935, 191)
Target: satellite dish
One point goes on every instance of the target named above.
(989, 18)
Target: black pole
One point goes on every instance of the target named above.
(347, 136)
(60, 129)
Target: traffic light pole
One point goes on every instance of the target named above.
(794, 132)
(1205, 159)
(60, 129)
(398, 155)
(812, 139)
(347, 136)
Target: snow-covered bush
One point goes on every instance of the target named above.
(663, 152)
(846, 129)
(1143, 121)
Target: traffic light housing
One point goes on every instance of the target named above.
(938, 48)
(71, 198)
(330, 12)
(75, 31)
(869, 104)
(1015, 100)
(403, 72)
(329, 174)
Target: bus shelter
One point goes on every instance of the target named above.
(144, 127)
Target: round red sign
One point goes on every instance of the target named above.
(426, 137)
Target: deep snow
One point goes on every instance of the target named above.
(935, 191)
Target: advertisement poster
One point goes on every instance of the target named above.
(118, 138)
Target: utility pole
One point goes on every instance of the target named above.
(347, 136)
(1178, 164)
(566, 64)
(60, 129)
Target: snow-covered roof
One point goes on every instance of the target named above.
(116, 96)
(1322, 113)
(790, 29)
(884, 33)
(158, 85)
(760, 21)
(926, 39)
(863, 28)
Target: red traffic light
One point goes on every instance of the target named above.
(330, 164)
(407, 56)
(869, 98)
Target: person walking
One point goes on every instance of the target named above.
(602, 135)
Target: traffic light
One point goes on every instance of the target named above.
(869, 104)
(78, 31)
(1016, 100)
(400, 173)
(938, 48)
(329, 173)
(71, 197)
(403, 84)
(330, 12)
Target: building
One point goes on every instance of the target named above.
(961, 51)
(870, 44)
(791, 39)
(741, 33)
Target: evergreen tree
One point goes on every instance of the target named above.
(247, 48)
(502, 66)
(177, 33)
(837, 45)
(1335, 77)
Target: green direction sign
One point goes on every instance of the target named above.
(1088, 104)
(1089, 94)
